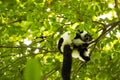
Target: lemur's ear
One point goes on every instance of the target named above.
(78, 31)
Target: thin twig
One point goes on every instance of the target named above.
(99, 23)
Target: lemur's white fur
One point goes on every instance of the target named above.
(67, 40)
(78, 42)
(82, 34)
(75, 54)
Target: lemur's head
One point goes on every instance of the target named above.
(86, 37)
(82, 37)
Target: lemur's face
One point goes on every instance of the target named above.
(87, 38)
(84, 36)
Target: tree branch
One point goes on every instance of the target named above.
(19, 47)
(116, 3)
(105, 30)
(99, 23)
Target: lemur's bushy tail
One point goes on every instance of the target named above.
(67, 62)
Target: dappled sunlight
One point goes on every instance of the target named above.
(110, 46)
(27, 41)
(36, 51)
(48, 9)
(107, 47)
(118, 34)
(110, 5)
(110, 15)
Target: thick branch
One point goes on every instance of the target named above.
(108, 28)
(116, 3)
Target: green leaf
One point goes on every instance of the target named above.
(32, 70)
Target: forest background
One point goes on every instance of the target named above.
(30, 29)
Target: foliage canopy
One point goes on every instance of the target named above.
(29, 30)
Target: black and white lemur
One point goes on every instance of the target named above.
(76, 47)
